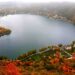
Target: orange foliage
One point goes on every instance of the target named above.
(28, 63)
(11, 69)
(73, 56)
(54, 61)
(66, 69)
(57, 55)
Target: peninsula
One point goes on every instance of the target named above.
(4, 31)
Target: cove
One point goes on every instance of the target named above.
(33, 32)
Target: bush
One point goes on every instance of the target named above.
(31, 52)
(42, 49)
(49, 67)
(36, 57)
(22, 56)
(3, 58)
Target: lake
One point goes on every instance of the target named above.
(33, 32)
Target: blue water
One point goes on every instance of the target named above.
(33, 32)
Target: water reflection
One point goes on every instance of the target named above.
(31, 31)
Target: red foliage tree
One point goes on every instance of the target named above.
(11, 69)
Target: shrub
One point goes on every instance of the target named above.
(31, 52)
(49, 67)
(42, 49)
(3, 58)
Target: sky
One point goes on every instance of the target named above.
(38, 1)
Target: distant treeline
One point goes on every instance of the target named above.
(64, 9)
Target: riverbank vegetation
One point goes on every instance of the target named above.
(51, 60)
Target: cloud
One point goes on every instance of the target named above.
(29, 1)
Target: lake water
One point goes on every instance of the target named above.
(33, 32)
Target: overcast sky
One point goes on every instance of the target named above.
(31, 1)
